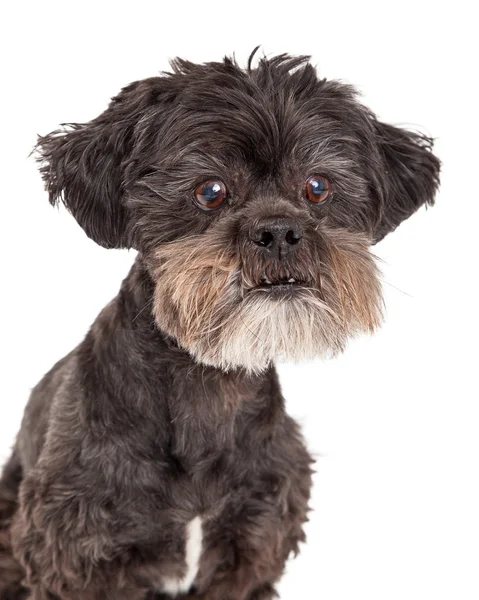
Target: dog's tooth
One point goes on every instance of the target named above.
(268, 282)
(292, 280)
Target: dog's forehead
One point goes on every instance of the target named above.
(241, 116)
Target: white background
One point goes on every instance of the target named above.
(394, 422)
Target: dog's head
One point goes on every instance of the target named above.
(253, 196)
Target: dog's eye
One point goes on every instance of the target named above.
(210, 194)
(318, 189)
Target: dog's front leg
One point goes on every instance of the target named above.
(66, 544)
(39, 592)
(228, 592)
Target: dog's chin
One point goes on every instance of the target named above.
(269, 324)
(278, 324)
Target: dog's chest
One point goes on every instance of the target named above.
(210, 489)
(193, 548)
(190, 552)
(195, 502)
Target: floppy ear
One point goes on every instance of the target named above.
(83, 165)
(408, 176)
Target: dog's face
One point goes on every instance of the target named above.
(253, 196)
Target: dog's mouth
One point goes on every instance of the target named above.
(285, 284)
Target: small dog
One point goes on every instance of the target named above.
(156, 459)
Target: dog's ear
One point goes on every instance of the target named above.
(406, 176)
(83, 165)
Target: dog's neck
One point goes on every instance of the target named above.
(193, 410)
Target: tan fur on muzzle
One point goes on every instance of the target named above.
(201, 301)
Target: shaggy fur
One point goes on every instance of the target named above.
(157, 457)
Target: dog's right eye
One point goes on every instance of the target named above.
(210, 194)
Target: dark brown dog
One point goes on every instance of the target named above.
(156, 459)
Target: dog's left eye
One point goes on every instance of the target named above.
(318, 189)
(210, 194)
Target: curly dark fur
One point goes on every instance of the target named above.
(169, 414)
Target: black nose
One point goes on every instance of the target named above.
(277, 235)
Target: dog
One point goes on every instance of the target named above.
(156, 460)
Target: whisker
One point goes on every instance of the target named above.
(396, 288)
(148, 304)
